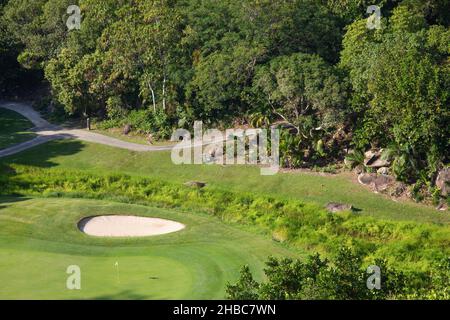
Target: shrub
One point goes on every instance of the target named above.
(343, 278)
(143, 121)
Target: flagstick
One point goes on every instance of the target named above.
(117, 269)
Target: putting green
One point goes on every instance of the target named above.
(39, 239)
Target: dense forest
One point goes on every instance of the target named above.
(311, 66)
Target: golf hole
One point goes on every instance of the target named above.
(127, 226)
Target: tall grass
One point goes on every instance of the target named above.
(407, 245)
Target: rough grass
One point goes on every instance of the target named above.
(307, 187)
(407, 245)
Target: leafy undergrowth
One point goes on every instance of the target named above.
(411, 246)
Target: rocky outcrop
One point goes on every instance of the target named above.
(382, 182)
(443, 206)
(366, 178)
(399, 189)
(127, 129)
(150, 139)
(373, 159)
(195, 184)
(378, 182)
(338, 207)
(443, 180)
(383, 170)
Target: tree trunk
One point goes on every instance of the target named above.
(153, 96)
(164, 92)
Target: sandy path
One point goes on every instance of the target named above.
(127, 226)
(46, 132)
(28, 112)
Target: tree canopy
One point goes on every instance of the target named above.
(311, 65)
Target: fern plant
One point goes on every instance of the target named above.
(356, 158)
(404, 165)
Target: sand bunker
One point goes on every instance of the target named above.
(127, 226)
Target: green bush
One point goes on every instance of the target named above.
(344, 278)
(143, 121)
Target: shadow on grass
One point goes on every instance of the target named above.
(6, 201)
(123, 295)
(40, 156)
(36, 157)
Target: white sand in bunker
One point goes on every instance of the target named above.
(127, 226)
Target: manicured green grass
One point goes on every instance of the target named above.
(13, 128)
(303, 186)
(39, 239)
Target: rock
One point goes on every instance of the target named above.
(366, 178)
(210, 156)
(127, 129)
(373, 159)
(371, 153)
(382, 182)
(359, 169)
(370, 156)
(443, 180)
(338, 207)
(443, 206)
(378, 163)
(150, 139)
(195, 184)
(398, 189)
(383, 170)
(213, 155)
(377, 182)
